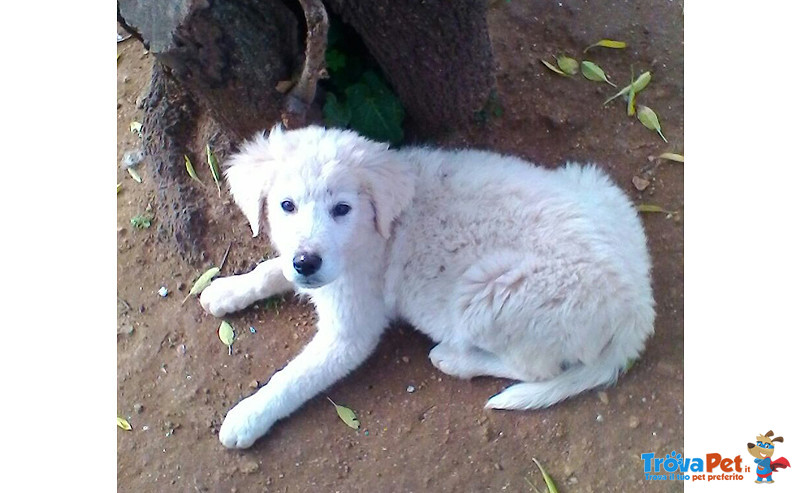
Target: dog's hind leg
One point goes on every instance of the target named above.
(470, 362)
(230, 294)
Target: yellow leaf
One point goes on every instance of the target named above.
(226, 334)
(551, 485)
(190, 169)
(553, 68)
(607, 43)
(123, 423)
(672, 156)
(134, 174)
(347, 415)
(202, 282)
(653, 208)
(119, 187)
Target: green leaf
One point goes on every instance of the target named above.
(212, 163)
(335, 60)
(593, 72)
(631, 101)
(649, 119)
(226, 334)
(607, 43)
(123, 423)
(336, 113)
(672, 156)
(638, 85)
(141, 221)
(567, 64)
(190, 169)
(375, 111)
(347, 415)
(551, 485)
(202, 282)
(554, 68)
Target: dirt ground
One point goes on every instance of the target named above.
(176, 380)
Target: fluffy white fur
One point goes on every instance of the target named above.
(516, 271)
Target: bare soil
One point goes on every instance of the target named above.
(176, 380)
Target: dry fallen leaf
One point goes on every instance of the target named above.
(123, 423)
(653, 208)
(607, 43)
(134, 174)
(190, 169)
(136, 128)
(672, 156)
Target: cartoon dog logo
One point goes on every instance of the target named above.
(762, 450)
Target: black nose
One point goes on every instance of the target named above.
(306, 263)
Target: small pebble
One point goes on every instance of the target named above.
(254, 384)
(603, 396)
(138, 408)
(131, 159)
(405, 359)
(410, 389)
(163, 292)
(599, 418)
(181, 349)
(633, 422)
(252, 330)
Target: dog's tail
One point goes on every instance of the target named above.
(613, 360)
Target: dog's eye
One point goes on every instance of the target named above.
(340, 209)
(288, 206)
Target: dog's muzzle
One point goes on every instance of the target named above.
(306, 264)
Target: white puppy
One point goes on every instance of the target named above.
(516, 271)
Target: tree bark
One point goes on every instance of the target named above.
(436, 54)
(229, 54)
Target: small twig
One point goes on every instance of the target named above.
(127, 306)
(301, 96)
(225, 257)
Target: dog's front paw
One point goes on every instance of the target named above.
(243, 425)
(223, 296)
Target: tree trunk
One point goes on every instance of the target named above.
(436, 54)
(223, 59)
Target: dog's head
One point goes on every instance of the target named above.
(764, 446)
(323, 191)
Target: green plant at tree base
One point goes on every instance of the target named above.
(358, 96)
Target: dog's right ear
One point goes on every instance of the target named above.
(250, 173)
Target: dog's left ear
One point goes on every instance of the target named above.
(250, 174)
(389, 181)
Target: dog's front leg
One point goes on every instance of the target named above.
(329, 356)
(233, 293)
